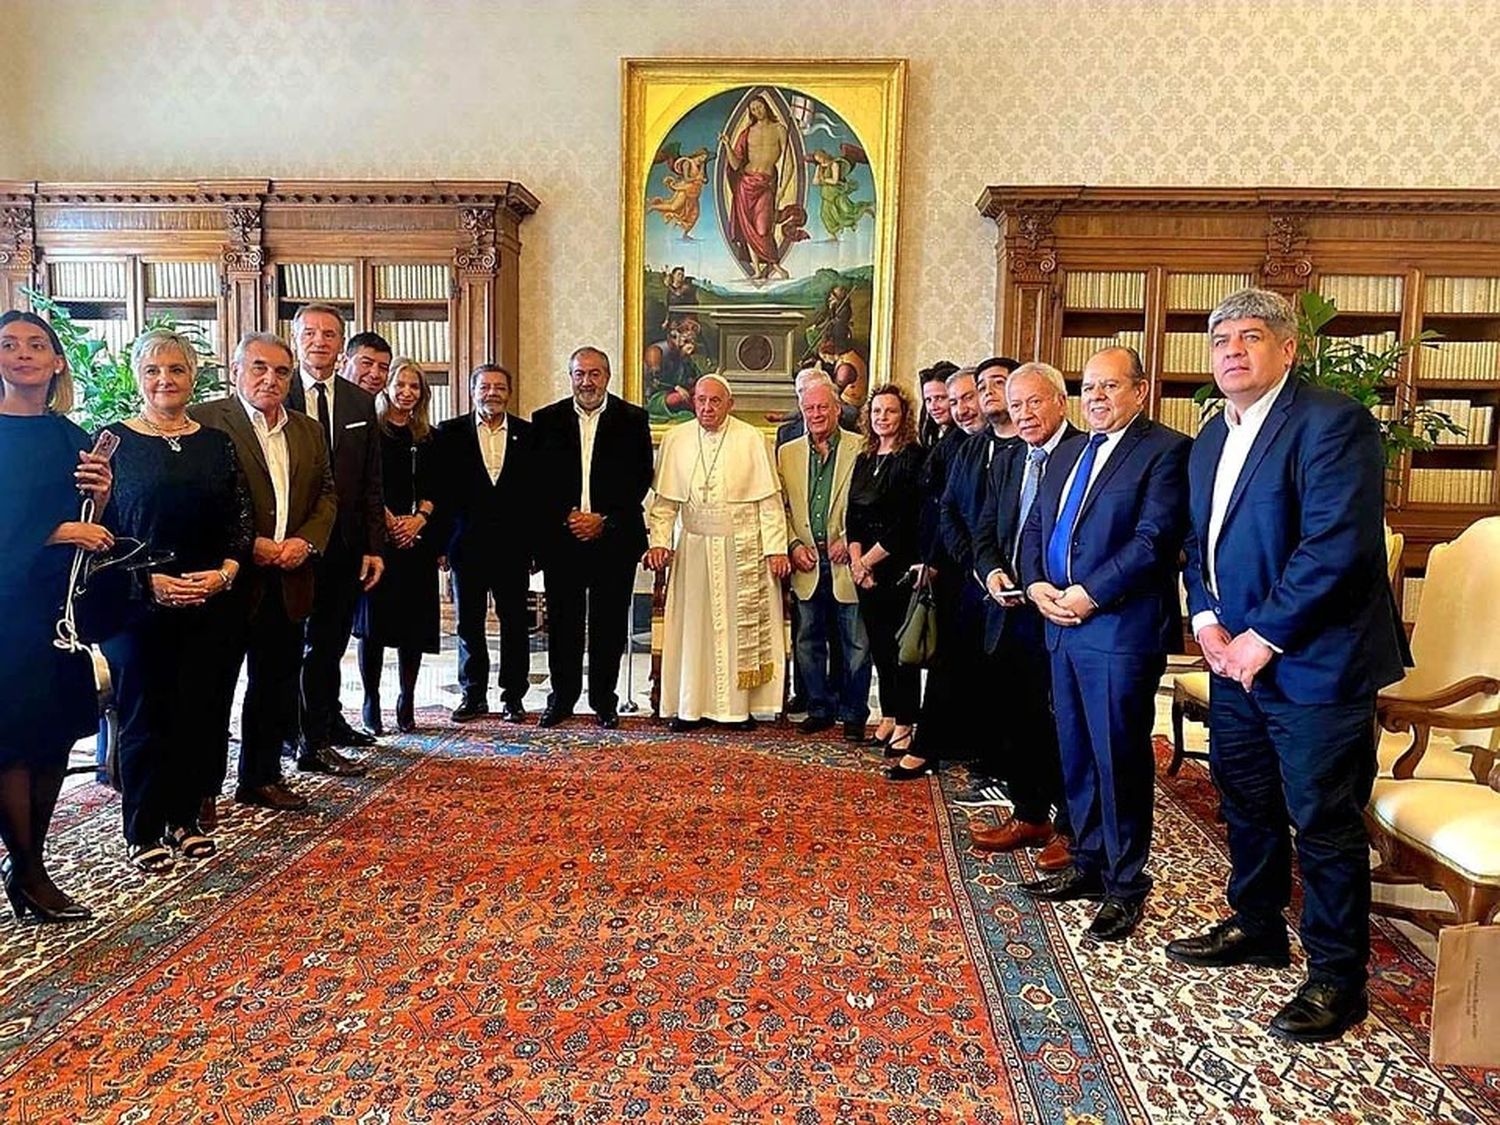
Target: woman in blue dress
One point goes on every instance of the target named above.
(47, 699)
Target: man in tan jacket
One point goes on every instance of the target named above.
(815, 472)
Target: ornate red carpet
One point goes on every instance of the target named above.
(630, 927)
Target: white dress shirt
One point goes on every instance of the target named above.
(1243, 430)
(1101, 458)
(273, 444)
(492, 444)
(308, 393)
(1050, 445)
(588, 429)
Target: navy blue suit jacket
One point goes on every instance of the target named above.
(1126, 541)
(1301, 555)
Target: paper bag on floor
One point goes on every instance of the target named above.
(1466, 997)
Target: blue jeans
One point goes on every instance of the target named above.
(815, 617)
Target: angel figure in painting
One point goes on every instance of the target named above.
(756, 156)
(686, 181)
(833, 176)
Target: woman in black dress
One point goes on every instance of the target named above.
(47, 699)
(884, 504)
(402, 610)
(178, 489)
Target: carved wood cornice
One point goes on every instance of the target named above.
(17, 235)
(1287, 260)
(480, 256)
(165, 194)
(514, 199)
(1031, 244)
(999, 200)
(243, 252)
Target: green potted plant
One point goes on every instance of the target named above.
(106, 384)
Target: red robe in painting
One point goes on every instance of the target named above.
(752, 213)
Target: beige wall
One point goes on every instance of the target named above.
(1399, 93)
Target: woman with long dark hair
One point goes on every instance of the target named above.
(402, 610)
(47, 699)
(884, 504)
(178, 489)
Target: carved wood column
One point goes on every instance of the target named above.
(475, 330)
(17, 253)
(1025, 308)
(1288, 267)
(240, 286)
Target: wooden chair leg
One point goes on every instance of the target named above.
(1178, 746)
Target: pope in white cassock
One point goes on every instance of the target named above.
(717, 494)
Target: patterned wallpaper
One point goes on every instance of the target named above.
(1400, 93)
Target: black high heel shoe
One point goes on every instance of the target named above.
(899, 748)
(27, 908)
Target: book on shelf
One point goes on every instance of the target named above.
(440, 407)
(1076, 350)
(88, 281)
(1187, 352)
(1202, 292)
(1411, 599)
(182, 281)
(317, 281)
(1180, 414)
(1478, 360)
(1451, 486)
(425, 341)
(1118, 289)
(1462, 295)
(1369, 341)
(1363, 293)
(411, 283)
(1075, 412)
(1476, 421)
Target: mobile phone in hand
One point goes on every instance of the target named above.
(106, 444)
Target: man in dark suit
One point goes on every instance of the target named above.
(285, 467)
(959, 519)
(1037, 400)
(596, 457)
(487, 467)
(345, 415)
(1287, 586)
(1099, 560)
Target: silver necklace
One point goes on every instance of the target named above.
(173, 438)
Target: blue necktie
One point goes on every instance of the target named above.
(1059, 547)
(1036, 465)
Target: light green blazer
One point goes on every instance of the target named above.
(791, 463)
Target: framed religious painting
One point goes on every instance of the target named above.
(759, 202)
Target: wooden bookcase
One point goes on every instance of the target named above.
(433, 266)
(1080, 267)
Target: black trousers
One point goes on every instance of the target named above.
(166, 672)
(1029, 759)
(883, 608)
(588, 598)
(475, 582)
(325, 640)
(272, 654)
(954, 682)
(1310, 766)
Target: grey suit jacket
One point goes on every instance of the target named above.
(311, 508)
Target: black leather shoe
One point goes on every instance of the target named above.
(749, 723)
(1116, 919)
(28, 908)
(325, 759)
(342, 734)
(273, 796)
(1226, 943)
(469, 710)
(1320, 1012)
(609, 720)
(551, 717)
(854, 733)
(1066, 886)
(678, 725)
(513, 713)
(815, 724)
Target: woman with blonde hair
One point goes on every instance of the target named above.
(884, 505)
(47, 699)
(178, 488)
(402, 610)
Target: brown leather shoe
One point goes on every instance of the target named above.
(1056, 856)
(208, 814)
(273, 796)
(1012, 834)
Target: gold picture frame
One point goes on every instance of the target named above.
(759, 239)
